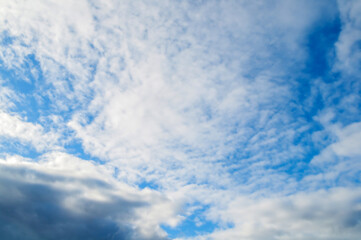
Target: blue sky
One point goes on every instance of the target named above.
(155, 120)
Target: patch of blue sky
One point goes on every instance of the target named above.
(194, 225)
(148, 184)
(344, 97)
(5, 38)
(23, 82)
(37, 96)
(35, 103)
(14, 147)
(321, 56)
(75, 148)
(321, 51)
(320, 47)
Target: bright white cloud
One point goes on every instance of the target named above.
(13, 127)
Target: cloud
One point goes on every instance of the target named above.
(349, 137)
(332, 214)
(348, 45)
(63, 197)
(154, 87)
(339, 161)
(182, 97)
(7, 97)
(13, 127)
(212, 104)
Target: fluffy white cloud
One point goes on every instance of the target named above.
(332, 214)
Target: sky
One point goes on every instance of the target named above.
(183, 120)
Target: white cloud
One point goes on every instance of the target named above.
(184, 107)
(340, 160)
(333, 214)
(348, 45)
(349, 143)
(13, 127)
(167, 93)
(7, 97)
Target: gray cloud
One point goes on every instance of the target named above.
(37, 205)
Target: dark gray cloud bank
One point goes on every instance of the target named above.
(37, 205)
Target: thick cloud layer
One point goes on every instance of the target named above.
(36, 211)
(50, 200)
